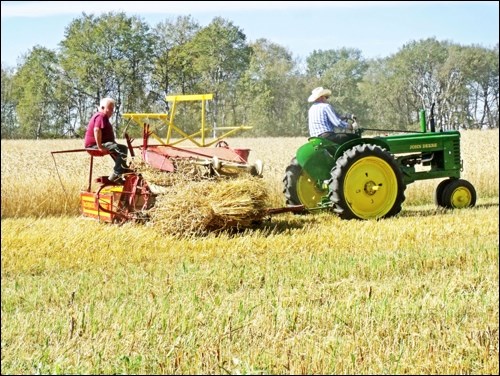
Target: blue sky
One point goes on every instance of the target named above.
(377, 28)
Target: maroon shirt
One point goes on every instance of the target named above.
(101, 121)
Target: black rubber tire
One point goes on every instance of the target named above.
(458, 194)
(366, 183)
(438, 193)
(292, 173)
(300, 189)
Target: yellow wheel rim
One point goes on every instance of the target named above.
(370, 188)
(461, 198)
(308, 193)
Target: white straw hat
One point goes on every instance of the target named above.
(318, 92)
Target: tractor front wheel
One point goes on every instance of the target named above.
(300, 188)
(366, 183)
(458, 194)
(438, 193)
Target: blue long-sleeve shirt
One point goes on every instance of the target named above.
(323, 118)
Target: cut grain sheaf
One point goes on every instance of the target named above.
(210, 206)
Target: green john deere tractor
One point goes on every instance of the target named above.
(366, 178)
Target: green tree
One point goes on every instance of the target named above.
(173, 71)
(9, 117)
(341, 71)
(480, 67)
(221, 56)
(420, 74)
(385, 97)
(108, 56)
(34, 92)
(270, 93)
(462, 82)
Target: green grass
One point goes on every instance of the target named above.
(415, 294)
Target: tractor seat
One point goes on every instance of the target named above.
(96, 152)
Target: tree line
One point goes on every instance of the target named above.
(52, 94)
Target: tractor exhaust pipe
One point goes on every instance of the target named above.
(423, 125)
(433, 127)
(423, 122)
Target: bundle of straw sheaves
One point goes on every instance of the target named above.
(190, 203)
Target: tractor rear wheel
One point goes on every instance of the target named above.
(458, 194)
(300, 188)
(366, 183)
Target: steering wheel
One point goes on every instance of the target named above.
(221, 144)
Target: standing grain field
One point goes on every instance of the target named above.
(301, 294)
(37, 183)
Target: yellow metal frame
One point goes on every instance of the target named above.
(143, 118)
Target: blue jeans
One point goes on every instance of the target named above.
(339, 138)
(119, 153)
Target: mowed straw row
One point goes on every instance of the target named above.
(190, 202)
(201, 207)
